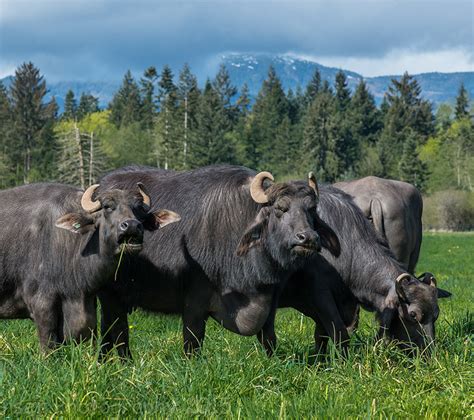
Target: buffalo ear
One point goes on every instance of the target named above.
(401, 284)
(443, 293)
(160, 219)
(329, 239)
(76, 222)
(252, 237)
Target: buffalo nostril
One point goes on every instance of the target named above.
(301, 237)
(124, 225)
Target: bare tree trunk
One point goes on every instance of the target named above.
(166, 136)
(185, 151)
(80, 155)
(91, 158)
(458, 165)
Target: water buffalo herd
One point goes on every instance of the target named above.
(243, 246)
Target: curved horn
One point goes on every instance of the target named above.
(86, 200)
(313, 183)
(401, 277)
(256, 187)
(146, 197)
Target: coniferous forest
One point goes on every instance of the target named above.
(170, 121)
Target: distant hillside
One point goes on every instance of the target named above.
(252, 68)
(293, 72)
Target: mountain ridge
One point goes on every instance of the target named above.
(293, 72)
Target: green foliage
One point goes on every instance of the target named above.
(313, 88)
(411, 168)
(126, 105)
(234, 378)
(449, 210)
(211, 145)
(87, 105)
(32, 147)
(269, 111)
(319, 138)
(406, 115)
(462, 104)
(176, 126)
(147, 87)
(70, 106)
(449, 157)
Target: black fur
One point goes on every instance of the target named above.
(331, 289)
(54, 256)
(225, 259)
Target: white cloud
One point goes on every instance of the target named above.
(399, 61)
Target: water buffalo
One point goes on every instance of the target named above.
(395, 209)
(241, 236)
(330, 289)
(58, 247)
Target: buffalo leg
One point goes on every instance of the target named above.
(194, 329)
(80, 318)
(45, 313)
(267, 336)
(331, 320)
(321, 339)
(114, 325)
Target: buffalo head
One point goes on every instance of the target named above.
(417, 310)
(121, 216)
(287, 224)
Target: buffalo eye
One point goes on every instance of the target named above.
(413, 314)
(278, 213)
(108, 207)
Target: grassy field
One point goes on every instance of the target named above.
(234, 378)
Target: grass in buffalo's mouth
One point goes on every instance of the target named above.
(234, 378)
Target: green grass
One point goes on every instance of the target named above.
(234, 378)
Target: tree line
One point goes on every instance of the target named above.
(171, 122)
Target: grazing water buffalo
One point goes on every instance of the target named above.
(59, 245)
(395, 209)
(241, 236)
(330, 289)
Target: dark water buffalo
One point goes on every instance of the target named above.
(241, 236)
(59, 245)
(395, 209)
(366, 273)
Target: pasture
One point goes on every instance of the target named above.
(234, 378)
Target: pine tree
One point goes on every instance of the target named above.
(147, 83)
(343, 94)
(406, 112)
(31, 116)
(226, 91)
(211, 145)
(313, 88)
(270, 108)
(70, 106)
(319, 137)
(411, 168)
(170, 142)
(243, 102)
(87, 105)
(462, 104)
(126, 104)
(188, 97)
(6, 137)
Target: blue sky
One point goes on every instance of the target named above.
(101, 39)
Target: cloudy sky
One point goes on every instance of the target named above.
(101, 39)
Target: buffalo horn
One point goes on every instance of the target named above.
(313, 183)
(86, 200)
(401, 277)
(146, 197)
(256, 187)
